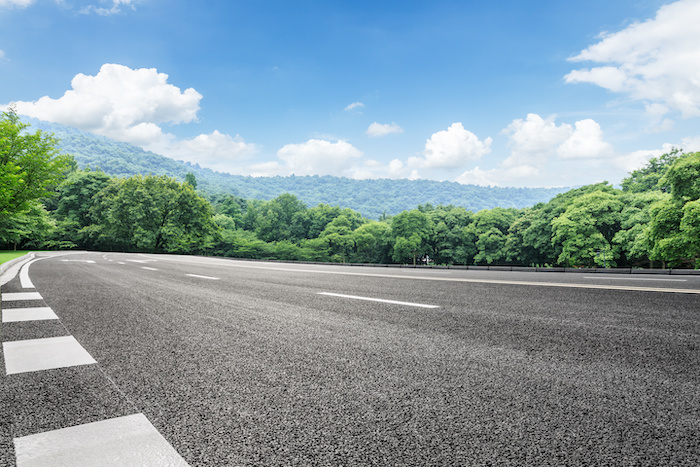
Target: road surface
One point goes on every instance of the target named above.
(212, 362)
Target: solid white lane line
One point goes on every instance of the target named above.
(140, 260)
(634, 278)
(13, 315)
(148, 269)
(10, 297)
(203, 277)
(566, 285)
(78, 261)
(44, 354)
(24, 280)
(381, 300)
(129, 440)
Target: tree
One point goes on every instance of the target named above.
(152, 214)
(673, 230)
(372, 242)
(647, 178)
(191, 179)
(411, 231)
(74, 204)
(587, 227)
(632, 237)
(448, 244)
(274, 218)
(30, 164)
(489, 232)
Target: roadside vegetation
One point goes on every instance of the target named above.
(653, 220)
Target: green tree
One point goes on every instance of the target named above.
(338, 237)
(152, 214)
(411, 231)
(74, 204)
(673, 230)
(274, 218)
(587, 227)
(635, 217)
(448, 243)
(647, 178)
(191, 179)
(372, 242)
(30, 164)
(488, 232)
(31, 228)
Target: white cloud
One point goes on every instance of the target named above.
(382, 129)
(216, 150)
(116, 100)
(130, 105)
(2, 54)
(319, 157)
(656, 61)
(15, 3)
(116, 8)
(451, 148)
(354, 105)
(396, 168)
(585, 142)
(534, 139)
(691, 144)
(476, 176)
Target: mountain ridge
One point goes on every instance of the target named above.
(371, 197)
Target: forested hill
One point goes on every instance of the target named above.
(371, 198)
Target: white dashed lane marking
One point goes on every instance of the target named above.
(17, 296)
(381, 300)
(12, 315)
(148, 269)
(203, 277)
(44, 354)
(129, 440)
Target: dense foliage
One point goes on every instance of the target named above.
(655, 217)
(371, 198)
(30, 164)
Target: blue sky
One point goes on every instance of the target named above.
(507, 93)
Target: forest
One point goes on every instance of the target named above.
(653, 220)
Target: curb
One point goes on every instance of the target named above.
(9, 269)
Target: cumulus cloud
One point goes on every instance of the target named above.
(117, 100)
(130, 105)
(354, 105)
(382, 129)
(657, 60)
(451, 148)
(535, 140)
(319, 157)
(585, 142)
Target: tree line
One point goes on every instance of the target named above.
(652, 220)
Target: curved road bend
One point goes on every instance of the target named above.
(220, 362)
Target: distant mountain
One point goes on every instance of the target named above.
(372, 198)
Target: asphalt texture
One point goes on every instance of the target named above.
(256, 368)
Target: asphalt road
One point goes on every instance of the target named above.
(247, 363)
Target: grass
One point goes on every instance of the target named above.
(6, 256)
